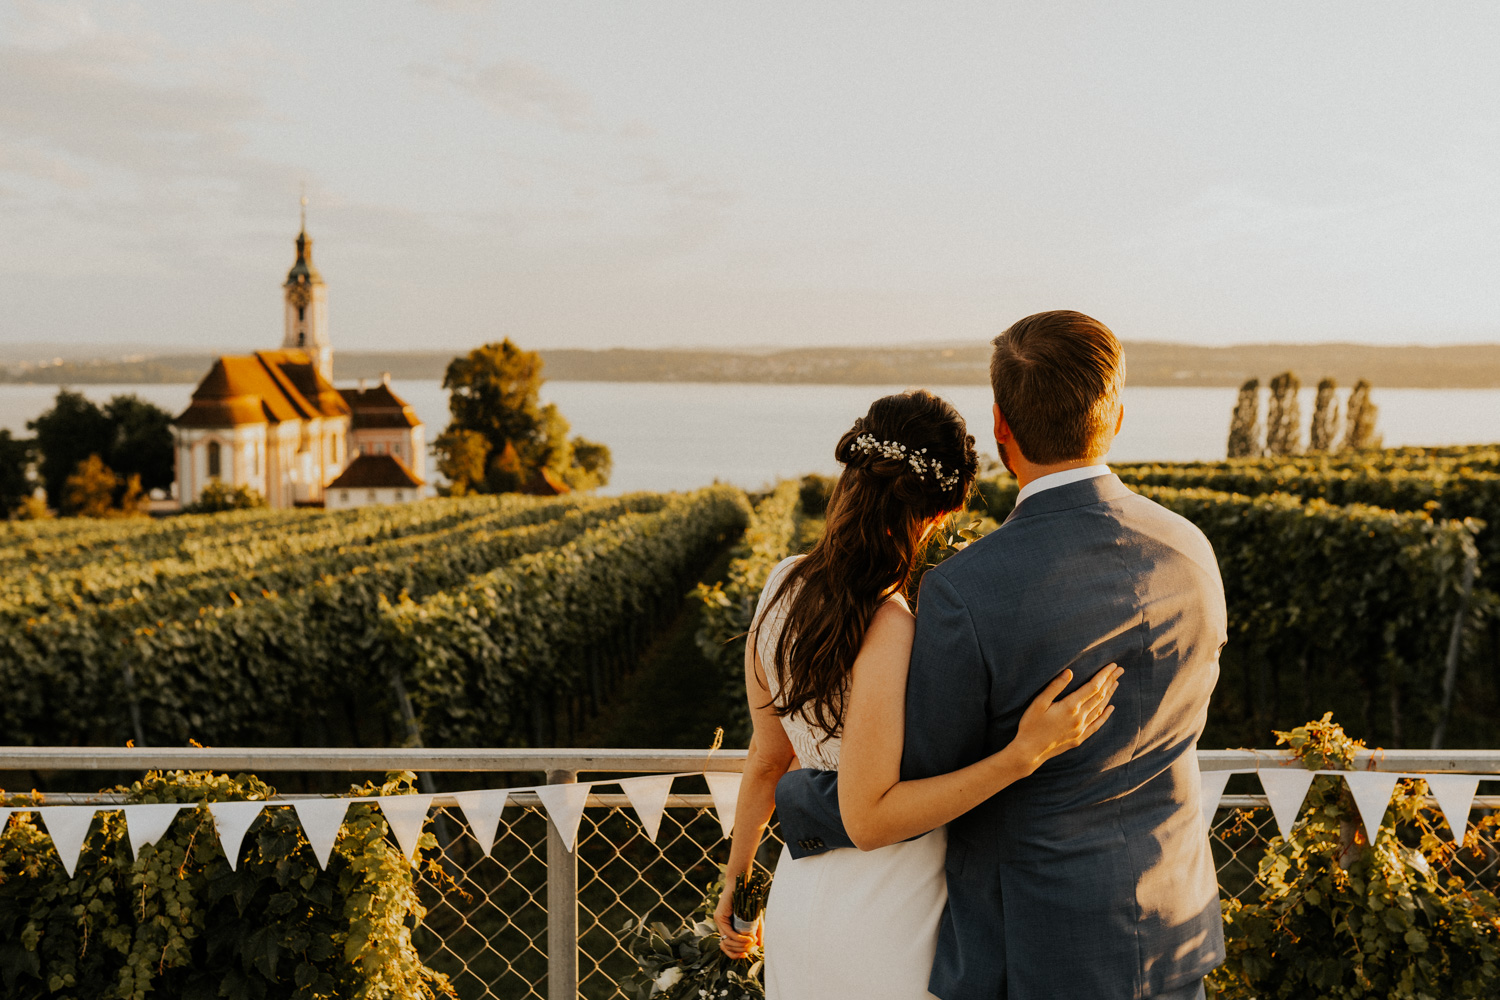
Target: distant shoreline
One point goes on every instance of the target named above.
(1150, 364)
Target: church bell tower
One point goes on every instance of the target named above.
(307, 306)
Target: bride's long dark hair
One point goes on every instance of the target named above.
(908, 461)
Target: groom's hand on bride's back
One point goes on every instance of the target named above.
(1054, 723)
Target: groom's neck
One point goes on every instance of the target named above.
(1028, 472)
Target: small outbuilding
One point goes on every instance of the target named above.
(372, 479)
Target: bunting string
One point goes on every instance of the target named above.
(322, 818)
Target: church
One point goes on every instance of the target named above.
(274, 422)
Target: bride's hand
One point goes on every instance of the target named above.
(732, 942)
(1052, 725)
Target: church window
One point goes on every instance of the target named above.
(400, 496)
(301, 313)
(343, 495)
(372, 497)
(214, 460)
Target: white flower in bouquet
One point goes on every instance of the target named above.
(666, 980)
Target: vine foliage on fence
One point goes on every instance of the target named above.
(179, 922)
(1343, 918)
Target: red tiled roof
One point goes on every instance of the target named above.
(378, 407)
(268, 386)
(368, 472)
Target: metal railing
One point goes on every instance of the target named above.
(492, 929)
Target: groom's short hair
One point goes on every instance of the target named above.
(1057, 378)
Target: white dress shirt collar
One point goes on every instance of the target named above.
(1063, 478)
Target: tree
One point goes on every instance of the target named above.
(15, 472)
(1244, 426)
(141, 442)
(67, 435)
(90, 490)
(500, 437)
(1284, 416)
(1325, 422)
(217, 496)
(1359, 419)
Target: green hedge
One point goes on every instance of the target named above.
(484, 661)
(729, 606)
(178, 922)
(1331, 607)
(1444, 493)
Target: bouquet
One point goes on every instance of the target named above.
(688, 965)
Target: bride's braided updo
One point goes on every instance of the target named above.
(907, 462)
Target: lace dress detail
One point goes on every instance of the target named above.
(806, 737)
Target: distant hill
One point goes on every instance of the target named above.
(1470, 366)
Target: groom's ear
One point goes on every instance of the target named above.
(1002, 429)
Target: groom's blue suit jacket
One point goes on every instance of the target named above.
(1092, 879)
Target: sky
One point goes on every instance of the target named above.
(665, 174)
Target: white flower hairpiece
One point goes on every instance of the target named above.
(918, 460)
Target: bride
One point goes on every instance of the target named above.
(825, 674)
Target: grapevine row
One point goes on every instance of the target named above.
(280, 668)
(490, 662)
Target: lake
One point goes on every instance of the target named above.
(674, 435)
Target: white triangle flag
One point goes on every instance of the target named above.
(1372, 794)
(232, 820)
(724, 786)
(321, 820)
(648, 795)
(68, 826)
(146, 823)
(1213, 791)
(405, 814)
(1455, 797)
(1285, 787)
(482, 810)
(565, 807)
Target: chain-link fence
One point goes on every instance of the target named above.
(492, 917)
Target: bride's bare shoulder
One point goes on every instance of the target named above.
(893, 621)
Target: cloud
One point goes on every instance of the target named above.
(519, 90)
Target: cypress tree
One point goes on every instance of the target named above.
(1359, 419)
(1284, 416)
(1244, 427)
(1324, 435)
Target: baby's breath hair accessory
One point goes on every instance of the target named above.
(918, 460)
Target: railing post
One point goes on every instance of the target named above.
(562, 907)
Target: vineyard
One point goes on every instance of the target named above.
(487, 620)
(1363, 585)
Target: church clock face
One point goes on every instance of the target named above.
(299, 296)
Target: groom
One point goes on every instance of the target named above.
(1092, 879)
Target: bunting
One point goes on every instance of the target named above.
(648, 796)
(145, 824)
(724, 786)
(321, 821)
(68, 826)
(322, 818)
(482, 812)
(232, 820)
(405, 815)
(1285, 788)
(1372, 795)
(1213, 791)
(564, 805)
(1455, 797)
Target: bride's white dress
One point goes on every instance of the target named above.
(846, 923)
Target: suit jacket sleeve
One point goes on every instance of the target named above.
(947, 687)
(807, 806)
